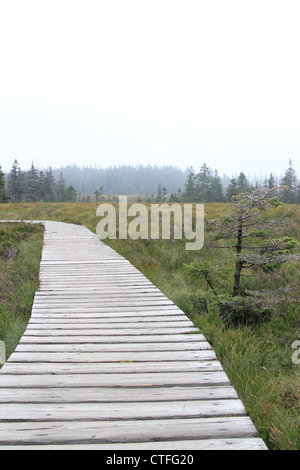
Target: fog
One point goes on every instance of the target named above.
(163, 82)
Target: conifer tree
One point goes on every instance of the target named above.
(70, 194)
(32, 187)
(271, 181)
(14, 186)
(3, 196)
(242, 184)
(231, 190)
(289, 183)
(49, 189)
(61, 189)
(203, 184)
(190, 189)
(216, 188)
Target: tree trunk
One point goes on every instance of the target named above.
(238, 264)
(237, 278)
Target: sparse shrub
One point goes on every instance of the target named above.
(252, 309)
(193, 304)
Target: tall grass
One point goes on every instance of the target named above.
(20, 254)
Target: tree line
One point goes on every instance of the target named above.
(206, 186)
(34, 185)
(149, 183)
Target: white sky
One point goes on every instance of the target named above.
(109, 82)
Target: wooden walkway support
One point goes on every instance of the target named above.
(108, 362)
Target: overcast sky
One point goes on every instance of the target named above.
(111, 82)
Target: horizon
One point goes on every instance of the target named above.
(251, 177)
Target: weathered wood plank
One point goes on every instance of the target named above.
(122, 367)
(110, 332)
(115, 347)
(120, 411)
(93, 338)
(117, 395)
(32, 432)
(106, 309)
(204, 444)
(110, 316)
(104, 324)
(86, 357)
(116, 380)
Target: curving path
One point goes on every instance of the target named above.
(108, 362)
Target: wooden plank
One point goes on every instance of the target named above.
(122, 367)
(139, 315)
(109, 339)
(110, 332)
(85, 432)
(106, 324)
(120, 411)
(116, 380)
(86, 357)
(109, 289)
(105, 304)
(110, 322)
(115, 347)
(117, 395)
(253, 444)
(99, 309)
(86, 299)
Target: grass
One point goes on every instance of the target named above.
(20, 253)
(257, 359)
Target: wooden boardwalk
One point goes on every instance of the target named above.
(108, 362)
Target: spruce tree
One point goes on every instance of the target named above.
(32, 187)
(203, 184)
(271, 181)
(289, 183)
(70, 194)
(49, 187)
(189, 194)
(216, 188)
(242, 184)
(14, 186)
(61, 189)
(3, 196)
(231, 190)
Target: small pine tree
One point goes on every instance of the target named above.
(203, 184)
(70, 194)
(271, 181)
(232, 190)
(242, 184)
(289, 183)
(32, 185)
(14, 183)
(216, 188)
(61, 189)
(190, 187)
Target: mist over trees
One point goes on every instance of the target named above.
(34, 185)
(147, 183)
(208, 186)
(125, 179)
